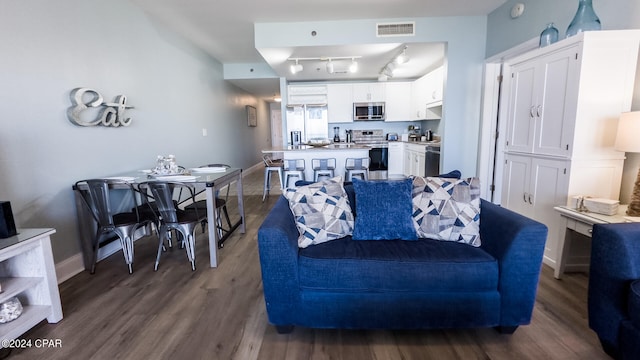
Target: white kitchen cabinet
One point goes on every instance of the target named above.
(562, 103)
(418, 98)
(307, 94)
(398, 102)
(434, 87)
(426, 95)
(369, 92)
(414, 158)
(340, 102)
(396, 158)
(27, 272)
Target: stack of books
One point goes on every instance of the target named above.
(596, 205)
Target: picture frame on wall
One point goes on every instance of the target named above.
(252, 116)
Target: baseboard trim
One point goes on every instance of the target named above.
(69, 267)
(253, 168)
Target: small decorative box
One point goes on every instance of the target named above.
(596, 205)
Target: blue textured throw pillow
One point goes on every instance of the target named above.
(383, 210)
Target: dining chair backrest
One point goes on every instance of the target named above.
(323, 164)
(269, 161)
(357, 163)
(163, 194)
(294, 164)
(98, 199)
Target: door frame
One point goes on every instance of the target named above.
(494, 119)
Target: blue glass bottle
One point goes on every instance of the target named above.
(549, 35)
(584, 20)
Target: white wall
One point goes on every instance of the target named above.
(503, 32)
(51, 47)
(465, 38)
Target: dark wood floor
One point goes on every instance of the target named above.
(175, 313)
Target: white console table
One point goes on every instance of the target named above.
(28, 272)
(576, 224)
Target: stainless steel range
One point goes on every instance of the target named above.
(368, 137)
(378, 154)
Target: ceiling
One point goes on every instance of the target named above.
(225, 31)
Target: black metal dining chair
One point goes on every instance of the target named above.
(98, 199)
(170, 217)
(221, 205)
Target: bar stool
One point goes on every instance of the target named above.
(357, 166)
(323, 167)
(271, 165)
(293, 168)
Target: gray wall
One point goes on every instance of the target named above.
(51, 47)
(503, 32)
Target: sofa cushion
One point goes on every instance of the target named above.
(321, 210)
(634, 303)
(383, 210)
(427, 265)
(447, 209)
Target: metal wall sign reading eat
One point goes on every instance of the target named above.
(109, 114)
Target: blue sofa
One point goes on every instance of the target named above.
(614, 288)
(395, 284)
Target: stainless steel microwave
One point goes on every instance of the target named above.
(368, 111)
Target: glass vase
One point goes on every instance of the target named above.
(548, 35)
(584, 20)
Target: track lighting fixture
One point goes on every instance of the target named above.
(389, 69)
(342, 67)
(402, 57)
(354, 66)
(330, 66)
(296, 68)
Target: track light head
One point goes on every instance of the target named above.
(296, 68)
(330, 67)
(354, 66)
(402, 57)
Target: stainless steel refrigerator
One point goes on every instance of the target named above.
(310, 120)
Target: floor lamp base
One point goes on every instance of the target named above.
(634, 204)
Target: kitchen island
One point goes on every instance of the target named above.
(339, 151)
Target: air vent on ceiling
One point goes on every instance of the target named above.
(396, 29)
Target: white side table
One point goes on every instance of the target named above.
(28, 272)
(575, 222)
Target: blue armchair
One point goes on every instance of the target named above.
(614, 288)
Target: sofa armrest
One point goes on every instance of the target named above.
(278, 250)
(615, 263)
(517, 242)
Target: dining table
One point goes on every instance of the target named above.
(207, 180)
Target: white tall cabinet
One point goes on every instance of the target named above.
(563, 102)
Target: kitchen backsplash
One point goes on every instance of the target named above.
(388, 127)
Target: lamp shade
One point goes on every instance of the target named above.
(628, 137)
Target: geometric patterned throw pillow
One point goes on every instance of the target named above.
(447, 209)
(321, 210)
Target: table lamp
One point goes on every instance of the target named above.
(628, 140)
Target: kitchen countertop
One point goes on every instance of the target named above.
(344, 146)
(339, 146)
(434, 143)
